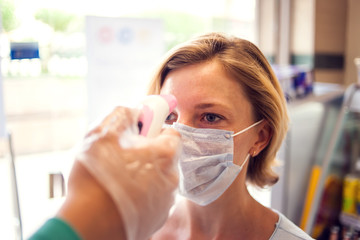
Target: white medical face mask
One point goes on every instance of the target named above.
(206, 166)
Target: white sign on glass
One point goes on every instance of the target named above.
(121, 54)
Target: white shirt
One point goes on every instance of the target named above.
(286, 230)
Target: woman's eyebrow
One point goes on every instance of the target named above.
(204, 105)
(210, 105)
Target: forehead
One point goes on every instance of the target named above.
(206, 82)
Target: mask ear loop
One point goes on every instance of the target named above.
(244, 130)
(246, 159)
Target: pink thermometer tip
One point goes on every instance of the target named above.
(171, 100)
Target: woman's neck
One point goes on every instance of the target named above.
(228, 212)
(234, 214)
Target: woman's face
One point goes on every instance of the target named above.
(208, 97)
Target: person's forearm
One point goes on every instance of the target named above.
(90, 210)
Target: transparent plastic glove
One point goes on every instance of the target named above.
(139, 173)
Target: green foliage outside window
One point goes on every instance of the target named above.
(60, 21)
(8, 18)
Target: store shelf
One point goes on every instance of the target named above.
(351, 221)
(335, 147)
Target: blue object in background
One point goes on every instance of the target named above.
(296, 81)
(24, 50)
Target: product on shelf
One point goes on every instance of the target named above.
(351, 192)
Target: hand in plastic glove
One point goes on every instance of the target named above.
(140, 178)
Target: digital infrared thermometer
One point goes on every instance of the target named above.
(155, 110)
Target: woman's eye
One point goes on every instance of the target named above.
(211, 117)
(171, 118)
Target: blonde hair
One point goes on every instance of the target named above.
(245, 62)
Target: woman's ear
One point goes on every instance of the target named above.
(264, 134)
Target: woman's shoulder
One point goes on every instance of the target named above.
(287, 230)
